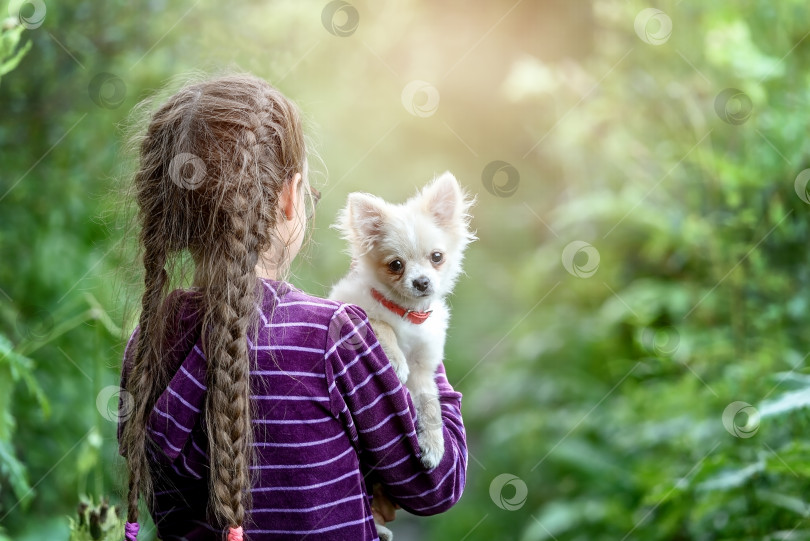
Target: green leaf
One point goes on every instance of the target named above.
(13, 470)
(17, 363)
(729, 479)
(785, 403)
(21, 368)
(9, 64)
(10, 56)
(560, 517)
(785, 501)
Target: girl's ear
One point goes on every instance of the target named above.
(289, 197)
(442, 199)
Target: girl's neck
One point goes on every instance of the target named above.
(262, 271)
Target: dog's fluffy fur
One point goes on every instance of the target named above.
(434, 221)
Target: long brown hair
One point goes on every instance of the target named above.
(212, 163)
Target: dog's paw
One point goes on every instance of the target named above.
(388, 341)
(431, 443)
(384, 533)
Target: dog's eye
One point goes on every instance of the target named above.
(436, 257)
(395, 265)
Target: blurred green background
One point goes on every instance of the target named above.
(630, 336)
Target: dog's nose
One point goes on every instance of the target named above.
(421, 283)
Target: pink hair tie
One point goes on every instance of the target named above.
(235, 534)
(131, 531)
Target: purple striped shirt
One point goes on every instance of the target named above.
(330, 417)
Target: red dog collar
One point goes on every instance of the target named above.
(417, 318)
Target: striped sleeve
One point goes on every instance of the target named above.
(378, 413)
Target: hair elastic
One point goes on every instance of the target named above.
(131, 531)
(235, 534)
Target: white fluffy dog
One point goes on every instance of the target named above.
(406, 259)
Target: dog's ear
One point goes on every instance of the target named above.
(362, 220)
(443, 200)
(367, 214)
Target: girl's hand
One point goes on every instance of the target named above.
(383, 509)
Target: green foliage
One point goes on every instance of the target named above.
(606, 395)
(14, 368)
(618, 382)
(10, 54)
(96, 522)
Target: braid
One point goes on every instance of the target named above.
(231, 301)
(231, 306)
(141, 384)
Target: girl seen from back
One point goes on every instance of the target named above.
(259, 410)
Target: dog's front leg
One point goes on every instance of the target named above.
(388, 340)
(425, 395)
